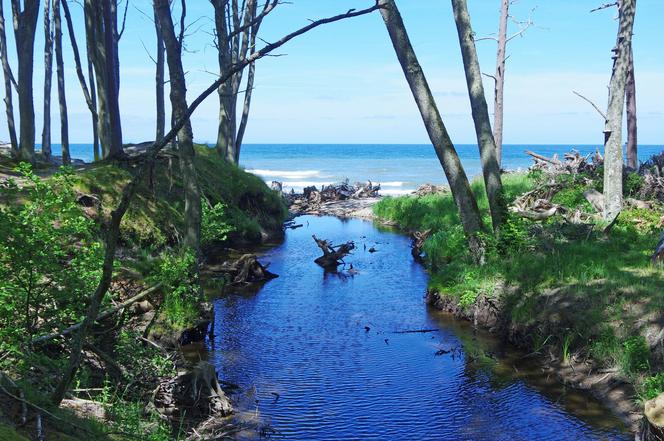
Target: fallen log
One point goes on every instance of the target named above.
(595, 198)
(247, 269)
(138, 297)
(332, 256)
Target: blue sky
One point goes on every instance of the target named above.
(341, 83)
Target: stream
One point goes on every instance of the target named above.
(325, 357)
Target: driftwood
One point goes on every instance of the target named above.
(247, 269)
(332, 256)
(311, 199)
(595, 198)
(427, 189)
(138, 297)
(417, 242)
(573, 162)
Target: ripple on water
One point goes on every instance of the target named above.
(300, 351)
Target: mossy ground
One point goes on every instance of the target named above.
(578, 291)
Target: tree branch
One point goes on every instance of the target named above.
(591, 103)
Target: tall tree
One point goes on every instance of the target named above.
(159, 81)
(186, 152)
(9, 81)
(101, 37)
(236, 27)
(632, 130)
(480, 111)
(25, 26)
(499, 80)
(88, 93)
(128, 192)
(62, 98)
(447, 155)
(613, 153)
(48, 74)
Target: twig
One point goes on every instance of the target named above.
(591, 103)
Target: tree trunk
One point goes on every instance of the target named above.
(9, 79)
(245, 111)
(500, 80)
(159, 82)
(48, 75)
(95, 116)
(630, 97)
(192, 208)
(62, 98)
(613, 154)
(25, 26)
(112, 77)
(485, 141)
(89, 94)
(447, 155)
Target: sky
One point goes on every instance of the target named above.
(341, 83)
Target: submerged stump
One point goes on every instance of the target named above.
(332, 256)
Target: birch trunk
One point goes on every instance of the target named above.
(498, 97)
(62, 98)
(9, 79)
(48, 75)
(632, 132)
(447, 155)
(192, 194)
(480, 111)
(25, 26)
(613, 154)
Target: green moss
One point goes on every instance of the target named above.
(155, 217)
(8, 433)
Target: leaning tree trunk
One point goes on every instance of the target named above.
(159, 82)
(112, 78)
(25, 26)
(613, 154)
(9, 78)
(499, 85)
(485, 141)
(48, 75)
(447, 155)
(192, 208)
(630, 97)
(62, 98)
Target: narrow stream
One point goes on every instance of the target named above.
(321, 357)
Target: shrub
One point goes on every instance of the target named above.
(651, 387)
(636, 355)
(215, 223)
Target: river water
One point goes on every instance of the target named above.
(324, 357)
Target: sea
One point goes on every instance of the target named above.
(398, 168)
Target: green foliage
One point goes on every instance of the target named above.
(651, 387)
(50, 260)
(572, 197)
(176, 271)
(145, 361)
(515, 236)
(215, 224)
(635, 357)
(605, 346)
(632, 184)
(567, 342)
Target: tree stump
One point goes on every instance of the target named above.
(653, 424)
(332, 256)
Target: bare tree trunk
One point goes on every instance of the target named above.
(499, 80)
(178, 86)
(62, 98)
(159, 81)
(447, 155)
(245, 112)
(613, 153)
(88, 93)
(630, 97)
(25, 25)
(48, 75)
(485, 141)
(128, 192)
(112, 77)
(95, 116)
(9, 79)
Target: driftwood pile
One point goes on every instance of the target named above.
(653, 178)
(243, 271)
(332, 255)
(573, 162)
(427, 189)
(311, 199)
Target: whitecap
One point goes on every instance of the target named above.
(285, 174)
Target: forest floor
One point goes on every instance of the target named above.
(590, 305)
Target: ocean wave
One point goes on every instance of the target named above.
(392, 184)
(396, 192)
(284, 174)
(302, 184)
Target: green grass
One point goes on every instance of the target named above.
(155, 216)
(575, 289)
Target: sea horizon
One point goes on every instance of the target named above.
(399, 168)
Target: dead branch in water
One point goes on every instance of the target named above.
(332, 256)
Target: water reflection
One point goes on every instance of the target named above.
(318, 356)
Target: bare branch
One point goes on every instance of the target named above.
(605, 6)
(591, 103)
(124, 20)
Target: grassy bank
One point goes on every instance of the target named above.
(50, 259)
(578, 292)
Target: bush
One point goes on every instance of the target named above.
(50, 261)
(651, 387)
(636, 355)
(215, 223)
